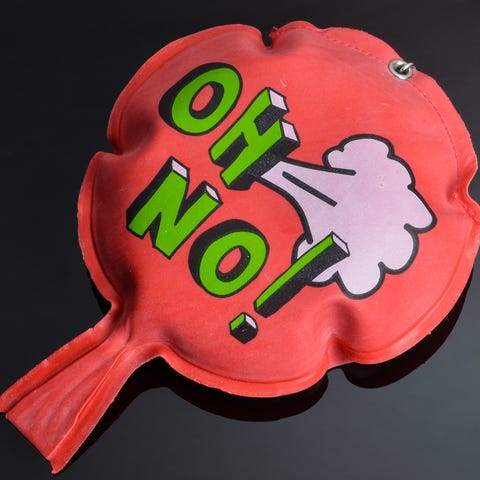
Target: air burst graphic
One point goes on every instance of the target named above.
(366, 196)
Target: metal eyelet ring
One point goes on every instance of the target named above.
(401, 69)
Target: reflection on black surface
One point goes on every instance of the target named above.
(158, 374)
(103, 303)
(381, 374)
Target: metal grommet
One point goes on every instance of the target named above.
(401, 69)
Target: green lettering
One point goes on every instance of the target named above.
(255, 141)
(176, 106)
(210, 248)
(323, 255)
(163, 209)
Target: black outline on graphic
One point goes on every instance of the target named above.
(307, 236)
(187, 202)
(166, 102)
(201, 244)
(269, 159)
(308, 188)
(244, 335)
(333, 254)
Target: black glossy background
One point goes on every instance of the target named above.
(62, 66)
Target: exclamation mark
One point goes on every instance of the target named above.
(329, 251)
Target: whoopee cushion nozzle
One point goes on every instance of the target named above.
(268, 213)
